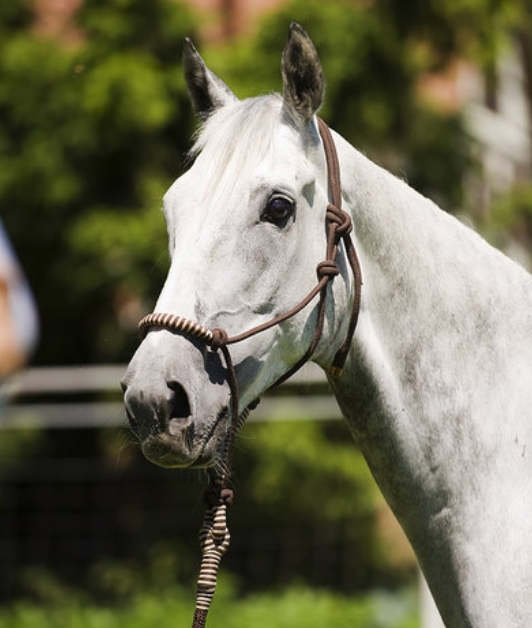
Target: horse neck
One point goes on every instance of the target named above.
(421, 267)
(433, 290)
(444, 330)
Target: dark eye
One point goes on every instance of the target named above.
(278, 210)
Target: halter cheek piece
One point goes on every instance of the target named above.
(214, 535)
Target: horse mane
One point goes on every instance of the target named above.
(235, 138)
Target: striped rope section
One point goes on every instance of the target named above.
(177, 323)
(214, 540)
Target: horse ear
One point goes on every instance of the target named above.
(207, 91)
(303, 82)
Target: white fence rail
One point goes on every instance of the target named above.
(43, 396)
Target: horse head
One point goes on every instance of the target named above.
(246, 232)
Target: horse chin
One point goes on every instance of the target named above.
(186, 450)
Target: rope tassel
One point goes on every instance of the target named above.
(214, 541)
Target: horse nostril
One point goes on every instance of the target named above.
(180, 406)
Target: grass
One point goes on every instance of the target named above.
(295, 607)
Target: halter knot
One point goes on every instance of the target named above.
(327, 268)
(254, 404)
(341, 219)
(226, 496)
(219, 339)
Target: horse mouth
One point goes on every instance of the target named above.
(187, 446)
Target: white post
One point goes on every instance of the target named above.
(430, 617)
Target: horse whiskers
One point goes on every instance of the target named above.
(220, 467)
(123, 442)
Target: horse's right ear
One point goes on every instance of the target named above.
(207, 92)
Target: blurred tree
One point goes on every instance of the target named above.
(509, 223)
(91, 136)
(374, 55)
(297, 478)
(93, 133)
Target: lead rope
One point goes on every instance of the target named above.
(214, 534)
(214, 541)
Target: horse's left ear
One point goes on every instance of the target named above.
(303, 82)
(207, 91)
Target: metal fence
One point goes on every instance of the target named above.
(75, 490)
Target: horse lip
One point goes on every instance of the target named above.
(162, 449)
(168, 450)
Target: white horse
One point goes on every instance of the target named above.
(437, 387)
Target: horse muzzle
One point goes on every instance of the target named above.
(176, 426)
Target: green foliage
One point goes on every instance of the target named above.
(127, 596)
(373, 55)
(306, 480)
(156, 27)
(15, 445)
(438, 158)
(306, 608)
(93, 133)
(91, 136)
(14, 15)
(172, 606)
(318, 473)
(511, 218)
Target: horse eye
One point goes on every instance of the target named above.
(278, 210)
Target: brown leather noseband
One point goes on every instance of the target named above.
(338, 228)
